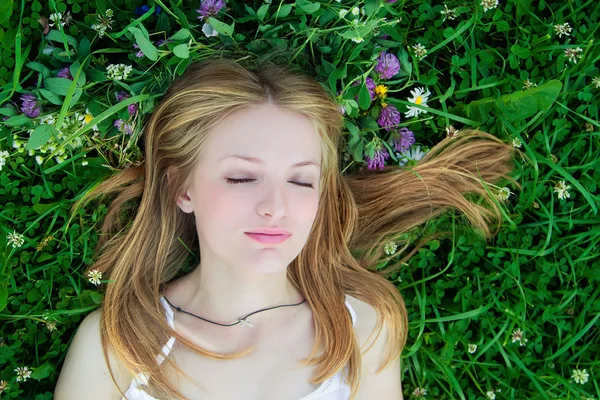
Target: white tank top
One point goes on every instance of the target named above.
(334, 388)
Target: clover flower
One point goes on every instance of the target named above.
(419, 392)
(504, 193)
(402, 139)
(15, 239)
(118, 71)
(580, 376)
(104, 22)
(390, 248)
(22, 373)
(65, 73)
(596, 82)
(3, 156)
(451, 14)
(370, 83)
(30, 105)
(574, 54)
(562, 189)
(387, 65)
(209, 8)
(527, 84)
(419, 50)
(123, 127)
(516, 142)
(489, 4)
(563, 29)
(389, 117)
(95, 276)
(472, 348)
(380, 154)
(420, 97)
(518, 336)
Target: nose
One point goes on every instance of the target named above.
(274, 202)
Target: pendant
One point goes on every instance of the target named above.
(245, 323)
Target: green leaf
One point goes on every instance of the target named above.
(51, 97)
(262, 11)
(17, 120)
(284, 11)
(308, 6)
(181, 50)
(181, 34)
(58, 86)
(221, 27)
(523, 104)
(144, 43)
(364, 98)
(39, 137)
(6, 10)
(3, 295)
(43, 371)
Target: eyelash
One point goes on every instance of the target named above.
(236, 181)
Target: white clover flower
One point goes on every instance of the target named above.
(118, 71)
(55, 17)
(15, 239)
(596, 82)
(490, 394)
(528, 84)
(504, 193)
(489, 4)
(451, 14)
(517, 335)
(95, 276)
(472, 348)
(3, 156)
(419, 50)
(516, 142)
(562, 189)
(22, 373)
(580, 376)
(343, 13)
(574, 54)
(390, 248)
(420, 97)
(355, 10)
(419, 392)
(563, 29)
(3, 386)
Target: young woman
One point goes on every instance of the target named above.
(283, 302)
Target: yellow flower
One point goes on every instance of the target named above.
(381, 91)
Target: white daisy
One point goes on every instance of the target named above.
(420, 97)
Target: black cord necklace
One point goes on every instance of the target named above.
(242, 321)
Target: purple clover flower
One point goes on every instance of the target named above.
(209, 8)
(160, 42)
(387, 65)
(123, 127)
(140, 53)
(132, 108)
(378, 160)
(65, 73)
(370, 87)
(403, 139)
(389, 117)
(30, 106)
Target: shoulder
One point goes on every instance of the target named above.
(374, 346)
(85, 368)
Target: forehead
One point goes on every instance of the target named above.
(266, 132)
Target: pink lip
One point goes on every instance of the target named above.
(268, 239)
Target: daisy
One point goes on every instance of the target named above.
(420, 97)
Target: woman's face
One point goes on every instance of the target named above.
(277, 195)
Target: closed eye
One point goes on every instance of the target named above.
(236, 181)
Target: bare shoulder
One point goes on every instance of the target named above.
(85, 373)
(366, 319)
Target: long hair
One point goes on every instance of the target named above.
(358, 213)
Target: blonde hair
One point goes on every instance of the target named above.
(358, 214)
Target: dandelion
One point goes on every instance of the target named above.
(15, 239)
(490, 394)
(562, 189)
(379, 156)
(402, 139)
(451, 14)
(65, 73)
(472, 348)
(118, 71)
(489, 4)
(527, 84)
(22, 373)
(387, 65)
(516, 142)
(504, 193)
(381, 91)
(563, 29)
(410, 156)
(30, 105)
(95, 276)
(419, 50)
(419, 392)
(420, 97)
(209, 8)
(596, 82)
(574, 54)
(580, 376)
(390, 248)
(389, 117)
(517, 335)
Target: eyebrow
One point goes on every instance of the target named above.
(258, 161)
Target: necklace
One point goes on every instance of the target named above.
(244, 321)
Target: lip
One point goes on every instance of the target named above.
(271, 231)
(268, 239)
